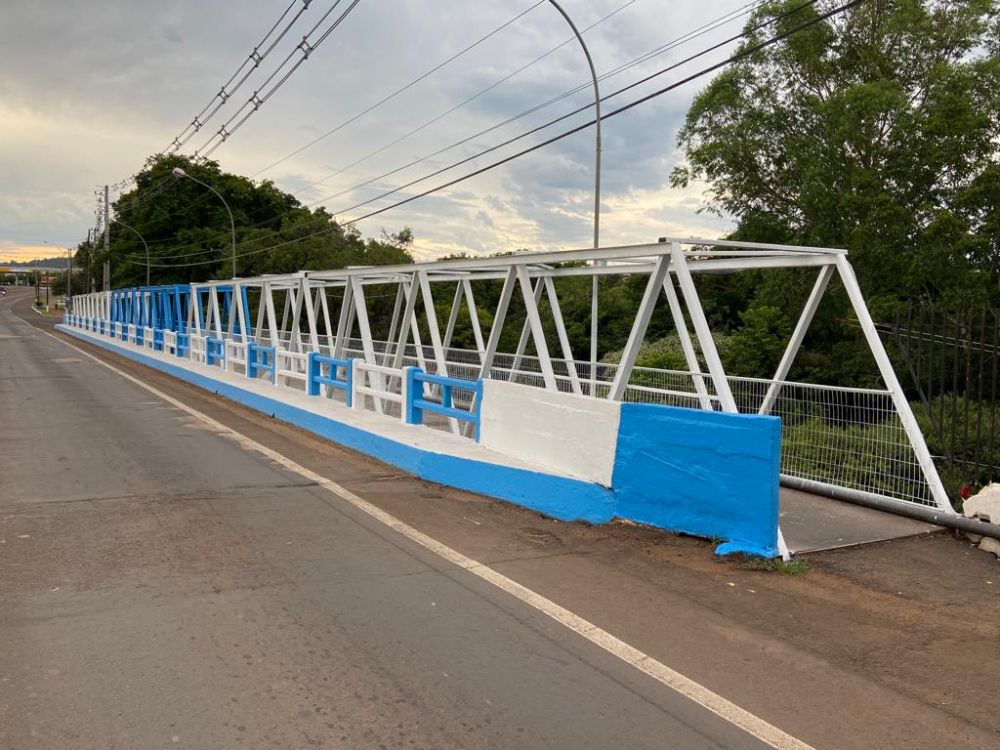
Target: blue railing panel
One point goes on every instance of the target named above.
(317, 378)
(260, 359)
(416, 404)
(215, 351)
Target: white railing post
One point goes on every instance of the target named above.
(405, 393)
(357, 380)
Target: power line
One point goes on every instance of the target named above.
(399, 91)
(554, 121)
(684, 38)
(255, 58)
(377, 104)
(305, 48)
(741, 54)
(227, 90)
(626, 66)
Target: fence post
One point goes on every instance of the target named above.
(412, 389)
(477, 405)
(312, 372)
(349, 400)
(357, 399)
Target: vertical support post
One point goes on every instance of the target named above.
(567, 351)
(440, 361)
(522, 342)
(404, 323)
(432, 324)
(310, 315)
(906, 417)
(312, 372)
(535, 322)
(456, 305)
(267, 299)
(295, 335)
(701, 329)
(412, 390)
(346, 303)
(325, 307)
(357, 400)
(397, 308)
(639, 326)
(495, 330)
(686, 346)
(477, 331)
(374, 379)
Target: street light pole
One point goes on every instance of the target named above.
(143, 239)
(178, 173)
(597, 192)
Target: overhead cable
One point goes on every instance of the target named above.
(741, 54)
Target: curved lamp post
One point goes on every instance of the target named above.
(143, 239)
(178, 173)
(597, 191)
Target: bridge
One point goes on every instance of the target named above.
(198, 551)
(519, 424)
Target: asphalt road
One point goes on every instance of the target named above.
(163, 586)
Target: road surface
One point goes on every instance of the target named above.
(167, 587)
(164, 585)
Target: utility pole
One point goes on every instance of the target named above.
(69, 278)
(90, 251)
(107, 238)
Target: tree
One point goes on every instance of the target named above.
(188, 233)
(876, 130)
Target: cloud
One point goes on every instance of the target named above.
(90, 90)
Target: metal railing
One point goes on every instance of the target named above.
(321, 381)
(953, 361)
(417, 402)
(832, 437)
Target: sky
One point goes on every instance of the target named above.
(88, 91)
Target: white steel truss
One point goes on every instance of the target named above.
(332, 311)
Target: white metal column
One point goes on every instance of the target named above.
(906, 417)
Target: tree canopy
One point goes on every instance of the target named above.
(876, 130)
(187, 230)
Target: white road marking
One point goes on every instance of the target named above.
(721, 707)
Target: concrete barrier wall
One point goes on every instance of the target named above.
(573, 435)
(700, 472)
(703, 473)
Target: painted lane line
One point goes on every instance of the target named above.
(694, 691)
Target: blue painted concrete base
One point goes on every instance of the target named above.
(646, 487)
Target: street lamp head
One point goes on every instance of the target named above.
(178, 172)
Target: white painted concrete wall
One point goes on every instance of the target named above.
(568, 434)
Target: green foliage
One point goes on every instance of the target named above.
(876, 130)
(755, 348)
(965, 432)
(188, 231)
(794, 567)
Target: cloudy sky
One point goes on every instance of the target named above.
(89, 90)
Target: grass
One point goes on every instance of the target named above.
(794, 567)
